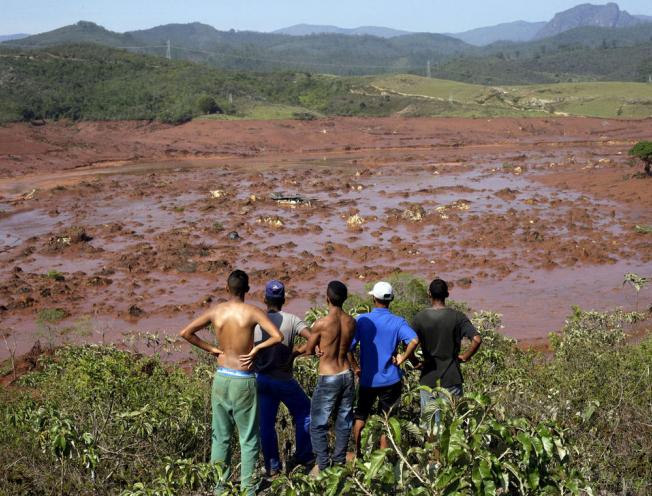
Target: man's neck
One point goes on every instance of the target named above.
(237, 298)
(438, 304)
(332, 309)
(273, 309)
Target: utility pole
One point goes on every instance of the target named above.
(168, 52)
(428, 73)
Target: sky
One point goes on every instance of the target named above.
(438, 16)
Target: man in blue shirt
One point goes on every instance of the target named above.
(379, 333)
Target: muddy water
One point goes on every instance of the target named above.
(156, 251)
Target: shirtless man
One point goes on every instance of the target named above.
(234, 398)
(335, 387)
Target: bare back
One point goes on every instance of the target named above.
(234, 324)
(334, 334)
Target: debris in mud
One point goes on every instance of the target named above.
(99, 281)
(30, 195)
(187, 266)
(72, 236)
(283, 199)
(507, 194)
(136, 311)
(464, 282)
(217, 265)
(218, 193)
(643, 229)
(415, 213)
(355, 221)
(271, 221)
(233, 236)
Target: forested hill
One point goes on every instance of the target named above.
(248, 50)
(91, 82)
(581, 54)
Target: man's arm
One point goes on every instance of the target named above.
(312, 345)
(355, 367)
(270, 328)
(475, 345)
(409, 336)
(409, 351)
(189, 333)
(468, 330)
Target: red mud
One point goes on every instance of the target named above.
(524, 216)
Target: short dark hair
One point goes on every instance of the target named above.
(275, 301)
(337, 293)
(438, 289)
(238, 282)
(384, 303)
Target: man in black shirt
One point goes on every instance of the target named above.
(440, 330)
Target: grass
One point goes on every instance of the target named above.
(593, 99)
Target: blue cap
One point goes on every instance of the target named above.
(274, 289)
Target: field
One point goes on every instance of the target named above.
(122, 227)
(612, 99)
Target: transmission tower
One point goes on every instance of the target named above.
(168, 52)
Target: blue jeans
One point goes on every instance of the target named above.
(270, 394)
(427, 397)
(334, 392)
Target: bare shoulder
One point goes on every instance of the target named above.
(348, 321)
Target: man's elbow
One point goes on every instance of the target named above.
(477, 340)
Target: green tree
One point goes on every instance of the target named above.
(207, 105)
(643, 150)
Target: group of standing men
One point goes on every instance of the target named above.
(255, 362)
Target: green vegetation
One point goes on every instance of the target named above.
(55, 275)
(581, 54)
(99, 420)
(86, 82)
(643, 150)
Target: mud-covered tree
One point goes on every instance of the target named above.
(643, 150)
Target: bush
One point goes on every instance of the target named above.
(207, 105)
(643, 150)
(98, 420)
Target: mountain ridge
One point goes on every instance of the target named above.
(308, 29)
(586, 14)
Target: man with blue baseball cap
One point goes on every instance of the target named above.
(379, 333)
(276, 382)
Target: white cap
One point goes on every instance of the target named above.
(382, 291)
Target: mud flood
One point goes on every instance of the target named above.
(124, 228)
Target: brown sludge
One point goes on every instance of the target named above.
(524, 216)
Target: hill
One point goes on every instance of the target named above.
(605, 16)
(9, 37)
(307, 29)
(247, 50)
(82, 32)
(508, 31)
(90, 82)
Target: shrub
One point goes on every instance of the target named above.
(98, 420)
(207, 105)
(643, 150)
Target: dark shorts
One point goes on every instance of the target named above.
(387, 397)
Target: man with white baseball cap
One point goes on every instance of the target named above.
(379, 333)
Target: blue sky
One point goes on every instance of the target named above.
(34, 16)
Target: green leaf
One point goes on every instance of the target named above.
(395, 428)
(375, 463)
(485, 469)
(533, 479)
